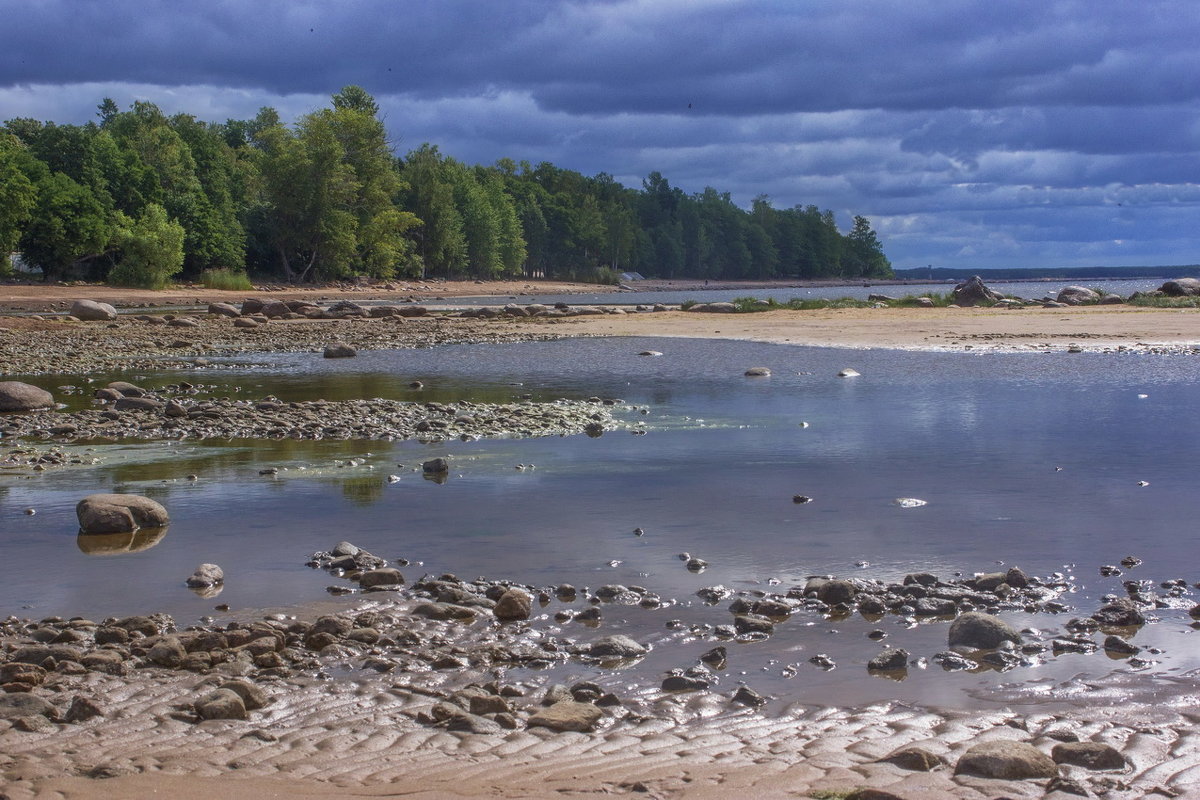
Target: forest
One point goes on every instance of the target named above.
(137, 198)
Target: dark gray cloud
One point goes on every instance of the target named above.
(973, 133)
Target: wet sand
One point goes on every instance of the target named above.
(357, 736)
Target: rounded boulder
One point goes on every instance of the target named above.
(17, 396)
(119, 513)
(91, 311)
(981, 631)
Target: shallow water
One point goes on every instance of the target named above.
(980, 437)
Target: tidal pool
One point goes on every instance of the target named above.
(1058, 463)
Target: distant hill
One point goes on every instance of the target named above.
(1049, 273)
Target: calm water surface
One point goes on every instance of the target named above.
(981, 437)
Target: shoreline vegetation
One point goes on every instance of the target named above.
(116, 711)
(136, 198)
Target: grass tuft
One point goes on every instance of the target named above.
(225, 279)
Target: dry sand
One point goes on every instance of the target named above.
(1090, 328)
(368, 746)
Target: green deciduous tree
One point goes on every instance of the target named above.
(862, 255)
(150, 250)
(17, 196)
(67, 226)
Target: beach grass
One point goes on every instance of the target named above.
(226, 279)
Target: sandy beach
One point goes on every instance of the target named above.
(370, 735)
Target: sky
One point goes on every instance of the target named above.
(972, 133)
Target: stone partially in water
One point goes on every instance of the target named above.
(206, 575)
(617, 646)
(981, 631)
(435, 466)
(758, 372)
(119, 513)
(890, 659)
(1122, 613)
(17, 396)
(513, 605)
(339, 350)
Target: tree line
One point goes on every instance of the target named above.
(137, 198)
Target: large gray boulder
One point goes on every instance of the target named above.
(224, 310)
(119, 513)
(973, 292)
(91, 311)
(1181, 287)
(981, 631)
(17, 396)
(1077, 295)
(1006, 760)
(339, 350)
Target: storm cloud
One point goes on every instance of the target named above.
(972, 133)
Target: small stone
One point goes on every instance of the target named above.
(1090, 755)
(567, 715)
(683, 683)
(82, 709)
(253, 697)
(748, 697)
(917, 759)
(167, 652)
(617, 646)
(890, 659)
(1116, 645)
(221, 704)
